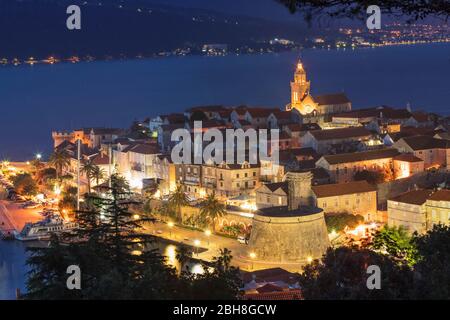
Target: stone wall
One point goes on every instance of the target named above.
(292, 239)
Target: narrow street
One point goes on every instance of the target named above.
(209, 246)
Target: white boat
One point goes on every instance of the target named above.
(42, 230)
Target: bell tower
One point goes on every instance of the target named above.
(299, 87)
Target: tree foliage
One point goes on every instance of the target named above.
(342, 275)
(59, 159)
(372, 177)
(396, 242)
(433, 265)
(116, 262)
(412, 9)
(339, 221)
(25, 184)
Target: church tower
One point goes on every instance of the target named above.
(300, 86)
(300, 96)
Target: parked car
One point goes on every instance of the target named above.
(242, 239)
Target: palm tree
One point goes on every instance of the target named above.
(59, 159)
(211, 209)
(98, 174)
(177, 200)
(89, 169)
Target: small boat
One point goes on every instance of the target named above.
(43, 230)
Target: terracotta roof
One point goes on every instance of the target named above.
(339, 189)
(100, 159)
(411, 131)
(407, 157)
(304, 152)
(269, 275)
(420, 117)
(142, 148)
(174, 118)
(341, 133)
(361, 156)
(440, 195)
(283, 115)
(425, 143)
(269, 288)
(294, 294)
(376, 112)
(334, 98)
(417, 197)
(257, 112)
(297, 127)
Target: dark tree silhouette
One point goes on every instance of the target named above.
(412, 9)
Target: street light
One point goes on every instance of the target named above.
(38, 156)
(207, 234)
(309, 259)
(252, 257)
(196, 244)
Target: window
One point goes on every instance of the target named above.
(254, 173)
(237, 176)
(238, 185)
(268, 199)
(246, 174)
(280, 201)
(221, 184)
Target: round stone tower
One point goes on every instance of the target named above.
(296, 236)
(293, 234)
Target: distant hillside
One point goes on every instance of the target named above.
(38, 28)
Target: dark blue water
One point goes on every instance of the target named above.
(12, 268)
(35, 100)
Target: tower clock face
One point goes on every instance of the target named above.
(309, 108)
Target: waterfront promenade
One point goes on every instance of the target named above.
(13, 217)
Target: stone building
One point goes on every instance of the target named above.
(342, 167)
(409, 210)
(438, 208)
(407, 164)
(92, 137)
(295, 233)
(358, 197)
(431, 150)
(322, 141)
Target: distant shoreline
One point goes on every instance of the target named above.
(87, 59)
